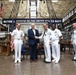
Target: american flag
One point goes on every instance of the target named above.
(12, 45)
(1, 9)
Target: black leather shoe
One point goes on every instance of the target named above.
(47, 62)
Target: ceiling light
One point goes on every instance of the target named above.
(11, 0)
(22, 2)
(47, 14)
(54, 0)
(19, 14)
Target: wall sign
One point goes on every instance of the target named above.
(10, 21)
(71, 13)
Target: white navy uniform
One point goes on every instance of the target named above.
(55, 45)
(17, 34)
(73, 40)
(46, 35)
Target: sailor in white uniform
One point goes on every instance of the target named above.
(73, 39)
(56, 38)
(17, 37)
(46, 35)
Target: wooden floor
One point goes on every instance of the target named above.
(65, 67)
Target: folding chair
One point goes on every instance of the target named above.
(41, 50)
(23, 51)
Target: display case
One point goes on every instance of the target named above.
(68, 29)
(67, 24)
(67, 32)
(4, 43)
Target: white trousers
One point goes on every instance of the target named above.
(47, 52)
(74, 46)
(17, 47)
(56, 50)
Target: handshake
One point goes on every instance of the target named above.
(36, 37)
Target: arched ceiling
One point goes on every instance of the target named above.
(45, 8)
